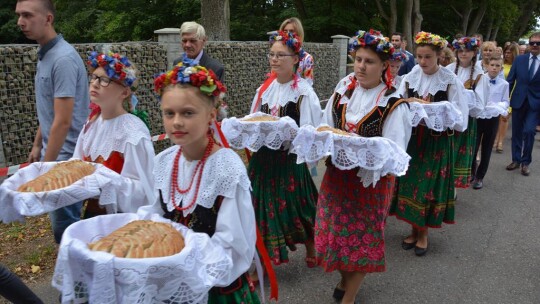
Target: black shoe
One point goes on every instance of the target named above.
(420, 251)
(338, 293)
(408, 246)
(512, 166)
(525, 170)
(478, 184)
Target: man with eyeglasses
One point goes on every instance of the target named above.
(524, 80)
(193, 41)
(61, 88)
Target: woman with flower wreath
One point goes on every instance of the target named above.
(396, 61)
(284, 194)
(306, 64)
(114, 136)
(349, 230)
(425, 195)
(477, 86)
(203, 185)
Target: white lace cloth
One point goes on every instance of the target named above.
(437, 116)
(256, 134)
(82, 275)
(494, 109)
(14, 205)
(374, 156)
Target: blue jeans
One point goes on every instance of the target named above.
(63, 217)
(14, 290)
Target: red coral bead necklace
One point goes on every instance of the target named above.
(175, 187)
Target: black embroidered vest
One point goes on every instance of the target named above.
(439, 96)
(291, 109)
(370, 125)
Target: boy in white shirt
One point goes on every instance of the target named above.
(498, 102)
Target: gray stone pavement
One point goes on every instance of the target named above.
(491, 254)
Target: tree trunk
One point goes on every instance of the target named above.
(301, 9)
(489, 29)
(464, 15)
(473, 28)
(392, 18)
(526, 13)
(407, 28)
(215, 17)
(496, 30)
(417, 17)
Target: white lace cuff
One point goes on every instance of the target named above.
(437, 116)
(82, 275)
(14, 205)
(374, 156)
(256, 134)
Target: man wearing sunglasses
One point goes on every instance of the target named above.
(524, 80)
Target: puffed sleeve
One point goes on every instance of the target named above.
(78, 152)
(482, 92)
(457, 97)
(137, 179)
(254, 107)
(398, 126)
(310, 109)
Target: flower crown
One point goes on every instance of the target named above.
(429, 38)
(399, 56)
(188, 71)
(289, 39)
(117, 67)
(466, 43)
(373, 38)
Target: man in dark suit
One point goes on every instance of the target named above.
(399, 43)
(193, 41)
(524, 80)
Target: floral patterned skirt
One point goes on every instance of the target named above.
(284, 198)
(242, 291)
(425, 195)
(464, 143)
(349, 227)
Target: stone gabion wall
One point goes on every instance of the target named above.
(245, 63)
(18, 118)
(246, 67)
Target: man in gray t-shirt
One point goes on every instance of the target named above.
(62, 97)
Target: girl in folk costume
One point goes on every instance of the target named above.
(306, 64)
(349, 230)
(396, 60)
(477, 93)
(284, 194)
(202, 185)
(115, 137)
(425, 195)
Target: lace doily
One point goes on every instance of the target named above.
(439, 81)
(14, 205)
(223, 172)
(82, 275)
(374, 156)
(256, 134)
(493, 110)
(437, 116)
(105, 136)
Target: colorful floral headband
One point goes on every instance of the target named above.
(466, 43)
(289, 39)
(373, 38)
(188, 71)
(429, 38)
(117, 67)
(399, 56)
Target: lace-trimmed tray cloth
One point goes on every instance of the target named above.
(253, 134)
(373, 156)
(82, 275)
(15, 205)
(437, 116)
(493, 110)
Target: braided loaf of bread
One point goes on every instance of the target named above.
(60, 176)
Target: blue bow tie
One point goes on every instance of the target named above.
(492, 81)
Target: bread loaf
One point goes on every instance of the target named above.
(334, 130)
(141, 239)
(60, 176)
(261, 118)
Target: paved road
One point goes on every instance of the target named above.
(491, 255)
